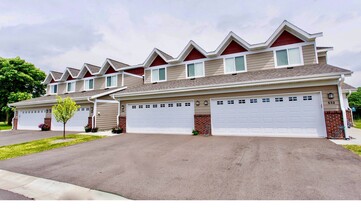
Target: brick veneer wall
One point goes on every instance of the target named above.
(123, 123)
(15, 123)
(48, 122)
(333, 122)
(90, 122)
(349, 117)
(202, 123)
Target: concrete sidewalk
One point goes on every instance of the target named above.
(355, 135)
(44, 189)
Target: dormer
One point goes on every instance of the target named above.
(156, 62)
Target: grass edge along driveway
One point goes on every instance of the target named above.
(4, 126)
(17, 150)
(354, 148)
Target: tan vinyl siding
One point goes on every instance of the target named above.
(61, 88)
(147, 76)
(309, 55)
(322, 60)
(99, 83)
(131, 81)
(119, 80)
(260, 61)
(176, 72)
(108, 115)
(203, 109)
(48, 89)
(79, 86)
(214, 67)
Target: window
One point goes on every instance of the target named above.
(179, 104)
(70, 87)
(288, 57)
(292, 99)
(111, 81)
(306, 98)
(188, 104)
(162, 105)
(230, 102)
(219, 102)
(235, 64)
(158, 75)
(89, 84)
(155, 106)
(134, 106)
(253, 100)
(195, 70)
(266, 100)
(147, 106)
(140, 106)
(170, 105)
(241, 101)
(53, 89)
(279, 99)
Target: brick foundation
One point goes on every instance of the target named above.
(15, 123)
(349, 117)
(202, 123)
(123, 123)
(48, 122)
(333, 123)
(90, 122)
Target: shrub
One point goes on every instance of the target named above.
(94, 130)
(117, 130)
(195, 132)
(44, 127)
(87, 128)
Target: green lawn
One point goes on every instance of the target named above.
(357, 123)
(354, 148)
(17, 150)
(4, 126)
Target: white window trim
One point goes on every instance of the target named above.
(151, 74)
(204, 70)
(85, 83)
(116, 80)
(57, 89)
(287, 48)
(234, 57)
(67, 84)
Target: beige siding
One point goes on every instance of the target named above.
(203, 109)
(131, 81)
(176, 72)
(260, 61)
(108, 115)
(79, 86)
(99, 83)
(309, 55)
(322, 60)
(61, 88)
(214, 67)
(119, 80)
(47, 89)
(147, 76)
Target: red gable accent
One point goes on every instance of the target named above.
(87, 74)
(286, 38)
(194, 55)
(110, 70)
(158, 61)
(69, 78)
(233, 47)
(137, 71)
(52, 81)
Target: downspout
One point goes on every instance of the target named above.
(118, 115)
(340, 81)
(350, 109)
(94, 112)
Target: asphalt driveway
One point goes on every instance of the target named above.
(17, 136)
(187, 167)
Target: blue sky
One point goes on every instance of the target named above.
(57, 34)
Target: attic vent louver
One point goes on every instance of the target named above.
(234, 74)
(289, 68)
(192, 78)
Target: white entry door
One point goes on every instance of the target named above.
(29, 119)
(76, 123)
(291, 115)
(161, 117)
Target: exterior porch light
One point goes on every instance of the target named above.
(197, 103)
(330, 95)
(205, 102)
(122, 108)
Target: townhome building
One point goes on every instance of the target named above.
(281, 87)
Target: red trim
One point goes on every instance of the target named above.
(286, 38)
(233, 47)
(110, 70)
(137, 71)
(158, 61)
(52, 81)
(87, 74)
(194, 55)
(69, 78)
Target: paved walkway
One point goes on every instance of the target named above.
(355, 135)
(44, 189)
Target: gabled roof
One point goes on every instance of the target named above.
(88, 67)
(156, 52)
(189, 47)
(69, 71)
(229, 38)
(116, 65)
(53, 75)
(346, 87)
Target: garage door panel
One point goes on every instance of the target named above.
(76, 123)
(29, 119)
(296, 115)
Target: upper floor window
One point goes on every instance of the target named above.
(53, 89)
(195, 70)
(158, 75)
(288, 57)
(89, 84)
(235, 64)
(111, 81)
(70, 87)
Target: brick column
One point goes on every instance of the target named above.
(333, 123)
(349, 117)
(48, 122)
(15, 123)
(202, 123)
(90, 122)
(123, 123)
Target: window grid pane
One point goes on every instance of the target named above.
(191, 71)
(161, 74)
(155, 75)
(294, 56)
(282, 59)
(240, 63)
(230, 66)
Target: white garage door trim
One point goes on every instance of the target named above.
(76, 123)
(29, 119)
(160, 120)
(278, 131)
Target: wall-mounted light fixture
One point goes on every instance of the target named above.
(330, 95)
(205, 102)
(197, 103)
(98, 113)
(122, 108)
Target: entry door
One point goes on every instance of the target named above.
(29, 119)
(76, 123)
(291, 115)
(161, 117)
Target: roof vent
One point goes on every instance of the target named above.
(106, 88)
(83, 91)
(154, 83)
(234, 74)
(290, 67)
(192, 78)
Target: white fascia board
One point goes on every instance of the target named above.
(150, 58)
(185, 52)
(130, 67)
(108, 92)
(105, 66)
(132, 74)
(227, 40)
(237, 84)
(325, 50)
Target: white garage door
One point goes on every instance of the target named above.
(76, 123)
(165, 117)
(297, 115)
(29, 119)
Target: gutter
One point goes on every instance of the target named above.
(118, 115)
(94, 112)
(342, 105)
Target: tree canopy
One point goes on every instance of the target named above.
(355, 99)
(18, 77)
